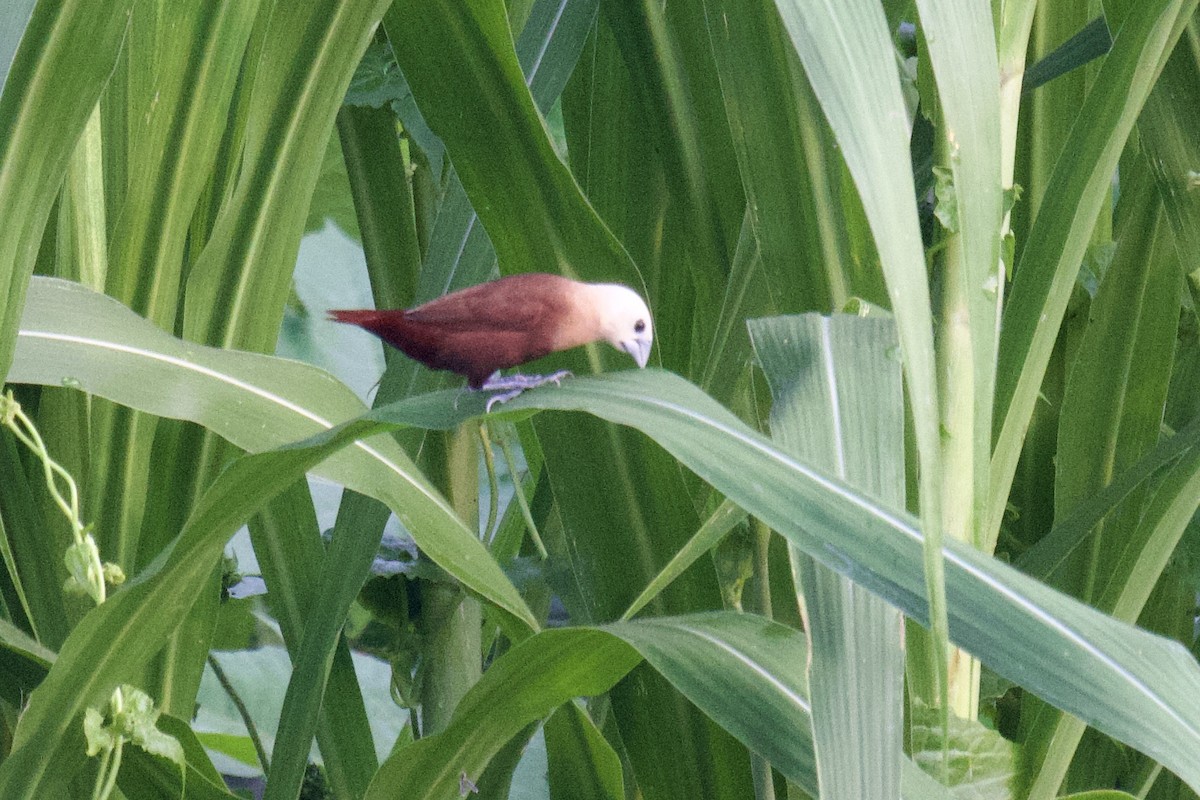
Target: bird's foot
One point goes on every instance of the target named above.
(513, 385)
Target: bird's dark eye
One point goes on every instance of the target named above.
(639, 326)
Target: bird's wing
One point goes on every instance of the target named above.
(515, 303)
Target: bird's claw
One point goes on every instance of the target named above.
(503, 397)
(513, 385)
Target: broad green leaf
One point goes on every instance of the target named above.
(1173, 147)
(74, 337)
(524, 686)
(740, 670)
(535, 215)
(673, 79)
(582, 763)
(1132, 685)
(735, 667)
(786, 155)
(1112, 408)
(849, 59)
(837, 401)
(66, 54)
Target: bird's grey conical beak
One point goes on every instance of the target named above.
(639, 349)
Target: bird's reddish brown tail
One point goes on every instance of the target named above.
(361, 317)
(393, 328)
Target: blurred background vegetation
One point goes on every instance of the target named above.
(924, 282)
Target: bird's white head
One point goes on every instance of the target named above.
(625, 320)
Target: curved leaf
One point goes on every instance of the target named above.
(71, 336)
(742, 670)
(526, 685)
(1135, 686)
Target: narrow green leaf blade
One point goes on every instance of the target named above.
(837, 401)
(116, 639)
(287, 543)
(459, 60)
(524, 686)
(582, 764)
(40, 120)
(1054, 250)
(237, 288)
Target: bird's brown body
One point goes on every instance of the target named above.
(504, 323)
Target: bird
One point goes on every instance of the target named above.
(478, 331)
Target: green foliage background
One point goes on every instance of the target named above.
(965, 395)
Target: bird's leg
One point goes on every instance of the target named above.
(512, 385)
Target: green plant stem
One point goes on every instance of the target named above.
(760, 767)
(243, 712)
(489, 461)
(451, 659)
(452, 650)
(960, 462)
(110, 767)
(510, 458)
(22, 427)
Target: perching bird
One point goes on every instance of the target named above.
(507, 322)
